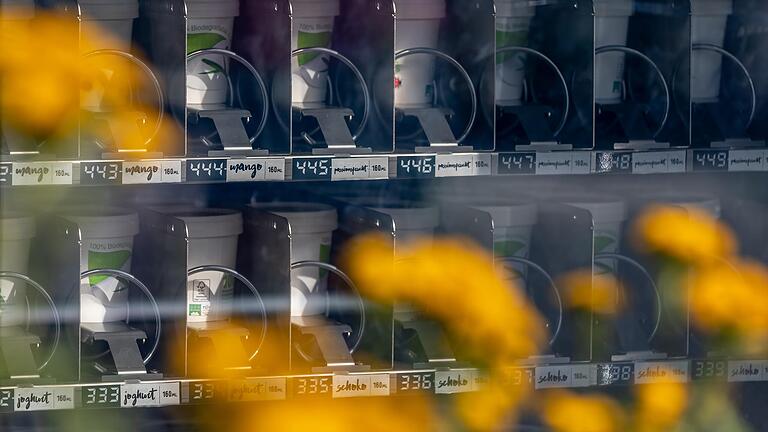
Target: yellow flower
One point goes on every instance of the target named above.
(731, 296)
(596, 292)
(689, 235)
(565, 411)
(494, 403)
(660, 406)
(394, 413)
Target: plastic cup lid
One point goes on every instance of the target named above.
(408, 217)
(614, 7)
(711, 7)
(210, 8)
(104, 222)
(420, 9)
(16, 226)
(314, 8)
(303, 218)
(509, 214)
(208, 222)
(109, 9)
(604, 208)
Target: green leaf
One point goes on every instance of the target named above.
(198, 41)
(106, 260)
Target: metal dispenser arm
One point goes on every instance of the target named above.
(566, 99)
(152, 77)
(662, 80)
(253, 72)
(644, 272)
(56, 317)
(251, 287)
(363, 86)
(131, 279)
(453, 62)
(741, 66)
(551, 282)
(357, 336)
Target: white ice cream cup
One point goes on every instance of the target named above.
(209, 25)
(212, 240)
(417, 25)
(608, 215)
(513, 20)
(311, 231)
(106, 236)
(611, 28)
(312, 26)
(512, 226)
(708, 23)
(16, 233)
(113, 18)
(411, 223)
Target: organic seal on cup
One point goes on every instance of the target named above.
(312, 27)
(212, 240)
(513, 20)
(311, 231)
(708, 23)
(209, 25)
(106, 236)
(611, 27)
(16, 232)
(417, 25)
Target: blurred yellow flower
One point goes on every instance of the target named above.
(394, 413)
(486, 408)
(45, 80)
(660, 406)
(731, 296)
(456, 283)
(689, 235)
(583, 289)
(565, 411)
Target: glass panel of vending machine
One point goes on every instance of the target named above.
(351, 215)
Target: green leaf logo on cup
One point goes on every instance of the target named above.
(312, 26)
(106, 236)
(209, 25)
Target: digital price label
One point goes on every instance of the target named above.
(519, 377)
(709, 160)
(311, 168)
(101, 396)
(416, 166)
(516, 163)
(101, 173)
(613, 162)
(6, 400)
(615, 374)
(206, 170)
(409, 382)
(197, 392)
(708, 369)
(311, 386)
(6, 174)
